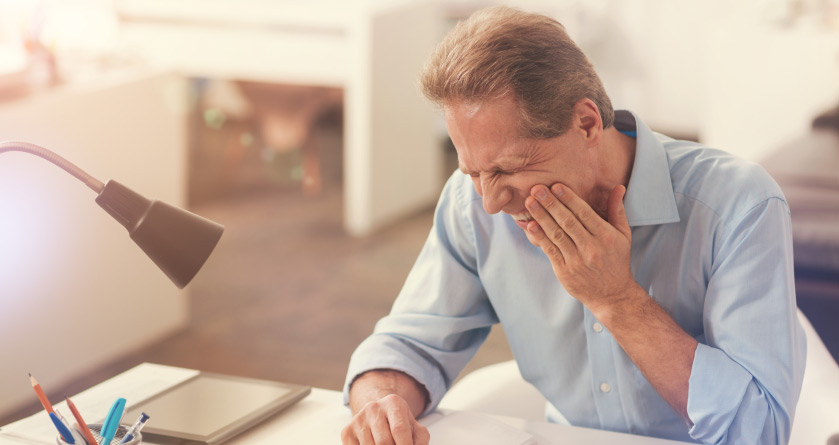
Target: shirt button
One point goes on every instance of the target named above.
(605, 387)
(597, 327)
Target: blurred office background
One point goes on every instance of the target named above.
(300, 128)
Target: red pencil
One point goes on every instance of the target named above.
(88, 436)
(40, 392)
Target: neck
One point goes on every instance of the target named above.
(616, 156)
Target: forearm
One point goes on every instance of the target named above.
(660, 348)
(376, 384)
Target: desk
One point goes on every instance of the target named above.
(317, 419)
(320, 417)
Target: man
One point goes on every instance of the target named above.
(645, 284)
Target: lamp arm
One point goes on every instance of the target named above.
(94, 184)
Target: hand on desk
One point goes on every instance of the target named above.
(384, 405)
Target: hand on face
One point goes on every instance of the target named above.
(387, 421)
(590, 256)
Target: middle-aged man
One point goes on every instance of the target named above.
(645, 284)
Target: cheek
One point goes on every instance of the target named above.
(521, 187)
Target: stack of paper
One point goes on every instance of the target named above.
(462, 427)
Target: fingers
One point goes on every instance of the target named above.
(401, 431)
(380, 430)
(531, 235)
(387, 421)
(353, 434)
(549, 229)
(553, 210)
(540, 239)
(357, 433)
(348, 436)
(400, 422)
(589, 219)
(421, 434)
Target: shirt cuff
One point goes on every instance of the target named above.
(387, 352)
(716, 390)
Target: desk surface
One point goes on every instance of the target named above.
(317, 419)
(320, 417)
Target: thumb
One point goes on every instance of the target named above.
(617, 213)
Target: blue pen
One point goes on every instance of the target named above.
(138, 425)
(62, 429)
(111, 423)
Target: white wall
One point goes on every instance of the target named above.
(75, 292)
(742, 76)
(766, 86)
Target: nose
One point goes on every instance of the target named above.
(495, 197)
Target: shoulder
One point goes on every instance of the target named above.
(459, 188)
(460, 214)
(455, 213)
(725, 184)
(459, 196)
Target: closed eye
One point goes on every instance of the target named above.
(506, 172)
(493, 173)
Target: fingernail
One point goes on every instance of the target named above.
(540, 193)
(558, 190)
(531, 204)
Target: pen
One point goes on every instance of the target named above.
(88, 436)
(138, 425)
(77, 436)
(40, 393)
(64, 422)
(111, 423)
(61, 418)
(62, 429)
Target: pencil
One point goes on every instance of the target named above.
(40, 392)
(88, 436)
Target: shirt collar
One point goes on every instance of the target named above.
(649, 196)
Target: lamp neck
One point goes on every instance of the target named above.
(26, 147)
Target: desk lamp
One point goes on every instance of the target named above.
(179, 242)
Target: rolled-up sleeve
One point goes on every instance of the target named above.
(747, 374)
(442, 315)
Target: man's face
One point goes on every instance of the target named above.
(504, 166)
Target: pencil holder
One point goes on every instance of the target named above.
(96, 427)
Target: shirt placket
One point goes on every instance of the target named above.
(604, 381)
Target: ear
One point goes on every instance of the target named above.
(588, 121)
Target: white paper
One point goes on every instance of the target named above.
(460, 427)
(135, 385)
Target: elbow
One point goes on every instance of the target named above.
(759, 419)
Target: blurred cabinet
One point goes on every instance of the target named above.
(373, 49)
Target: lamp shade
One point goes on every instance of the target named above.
(179, 242)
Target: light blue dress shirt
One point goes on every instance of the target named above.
(711, 244)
